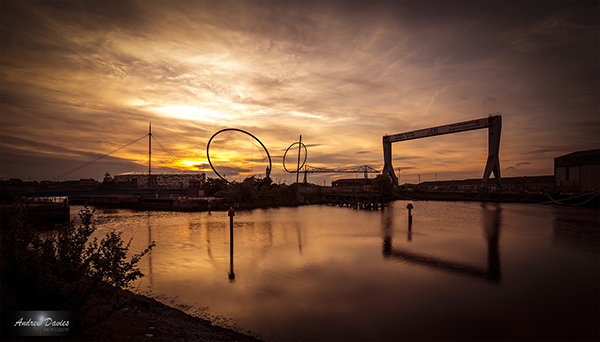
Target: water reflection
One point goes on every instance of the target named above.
(149, 255)
(318, 273)
(575, 228)
(492, 220)
(259, 239)
(231, 274)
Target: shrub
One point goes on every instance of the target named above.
(66, 271)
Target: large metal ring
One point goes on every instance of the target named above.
(305, 155)
(238, 130)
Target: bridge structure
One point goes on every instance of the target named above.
(364, 169)
(493, 123)
(151, 180)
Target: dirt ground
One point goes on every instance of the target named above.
(146, 319)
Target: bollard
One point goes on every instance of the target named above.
(409, 206)
(231, 214)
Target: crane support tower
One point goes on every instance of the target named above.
(494, 124)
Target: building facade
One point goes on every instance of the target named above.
(355, 183)
(175, 180)
(578, 171)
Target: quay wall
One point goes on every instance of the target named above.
(177, 203)
(44, 215)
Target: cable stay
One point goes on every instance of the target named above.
(95, 160)
(167, 152)
(120, 148)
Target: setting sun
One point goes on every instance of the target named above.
(339, 74)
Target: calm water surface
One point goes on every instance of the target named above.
(461, 270)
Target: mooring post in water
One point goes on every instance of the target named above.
(231, 214)
(409, 206)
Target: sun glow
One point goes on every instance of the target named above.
(192, 113)
(196, 164)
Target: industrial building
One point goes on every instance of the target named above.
(518, 184)
(171, 180)
(578, 171)
(354, 183)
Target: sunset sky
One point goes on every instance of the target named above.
(81, 79)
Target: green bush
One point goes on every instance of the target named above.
(66, 271)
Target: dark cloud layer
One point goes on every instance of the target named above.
(83, 78)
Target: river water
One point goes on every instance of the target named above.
(460, 271)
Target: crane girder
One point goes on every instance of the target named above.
(493, 123)
(360, 169)
(445, 129)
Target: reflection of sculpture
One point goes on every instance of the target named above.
(150, 252)
(491, 227)
(210, 234)
(231, 214)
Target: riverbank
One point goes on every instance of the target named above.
(166, 202)
(145, 318)
(62, 272)
(142, 318)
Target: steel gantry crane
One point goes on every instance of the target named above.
(493, 122)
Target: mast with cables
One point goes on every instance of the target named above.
(150, 156)
(150, 137)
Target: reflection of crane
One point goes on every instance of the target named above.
(492, 221)
(366, 169)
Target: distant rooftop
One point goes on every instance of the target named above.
(589, 157)
(581, 154)
(177, 172)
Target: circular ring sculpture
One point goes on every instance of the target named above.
(241, 131)
(303, 162)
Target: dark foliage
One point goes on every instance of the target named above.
(214, 185)
(65, 271)
(255, 191)
(382, 184)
